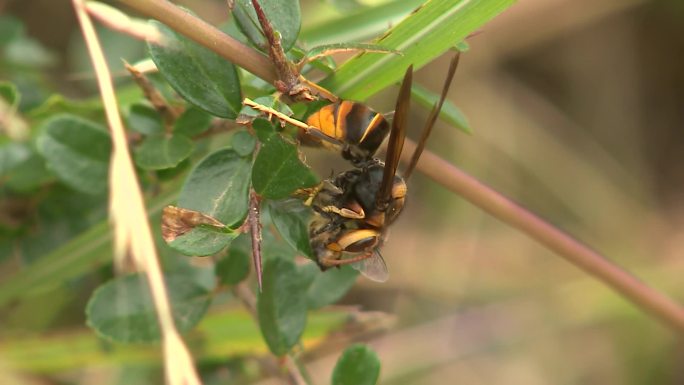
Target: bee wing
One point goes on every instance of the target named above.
(396, 139)
(373, 267)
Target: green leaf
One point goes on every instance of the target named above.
(202, 240)
(91, 248)
(291, 218)
(282, 305)
(284, 16)
(234, 268)
(243, 142)
(160, 152)
(278, 171)
(219, 187)
(192, 121)
(330, 285)
(346, 5)
(10, 93)
(198, 74)
(59, 104)
(77, 151)
(427, 33)
(171, 173)
(21, 168)
(450, 113)
(122, 309)
(359, 26)
(144, 119)
(263, 128)
(358, 365)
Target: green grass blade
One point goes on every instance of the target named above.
(427, 33)
(358, 26)
(449, 113)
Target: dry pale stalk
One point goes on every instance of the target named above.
(132, 232)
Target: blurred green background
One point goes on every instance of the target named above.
(577, 112)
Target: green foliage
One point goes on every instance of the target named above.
(159, 152)
(61, 168)
(192, 122)
(234, 268)
(429, 32)
(284, 16)
(199, 75)
(291, 219)
(77, 151)
(450, 113)
(203, 240)
(243, 143)
(144, 119)
(122, 309)
(278, 170)
(282, 305)
(358, 365)
(9, 93)
(219, 187)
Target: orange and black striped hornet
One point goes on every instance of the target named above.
(353, 210)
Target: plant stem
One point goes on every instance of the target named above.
(649, 299)
(207, 35)
(503, 208)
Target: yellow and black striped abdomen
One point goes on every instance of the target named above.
(361, 129)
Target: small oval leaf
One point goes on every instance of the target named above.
(291, 218)
(193, 121)
(234, 268)
(282, 305)
(202, 241)
(198, 74)
(77, 151)
(122, 310)
(219, 187)
(160, 151)
(243, 142)
(144, 119)
(284, 15)
(358, 365)
(278, 171)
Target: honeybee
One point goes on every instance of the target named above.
(353, 210)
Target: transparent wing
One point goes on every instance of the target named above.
(373, 267)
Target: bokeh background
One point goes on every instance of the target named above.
(577, 112)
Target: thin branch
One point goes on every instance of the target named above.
(168, 113)
(255, 233)
(443, 173)
(132, 231)
(119, 21)
(580, 255)
(206, 35)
